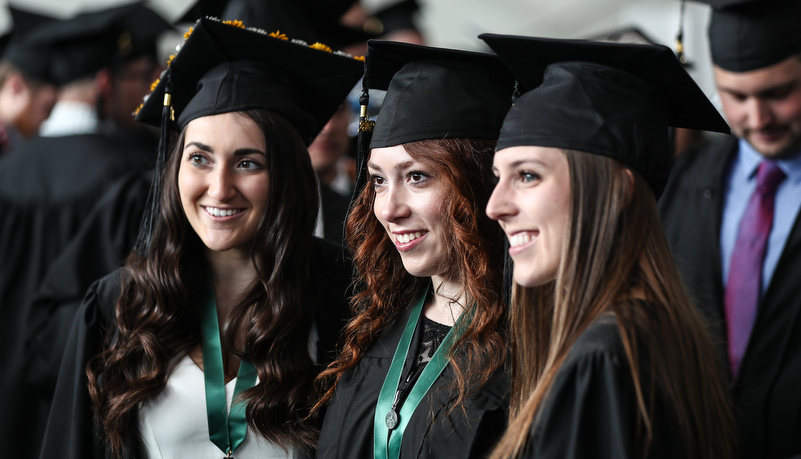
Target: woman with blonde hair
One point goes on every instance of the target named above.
(610, 357)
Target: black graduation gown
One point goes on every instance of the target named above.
(71, 432)
(348, 426)
(47, 187)
(767, 392)
(335, 209)
(107, 236)
(591, 409)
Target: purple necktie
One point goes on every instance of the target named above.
(745, 270)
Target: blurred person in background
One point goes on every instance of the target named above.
(27, 86)
(44, 206)
(731, 215)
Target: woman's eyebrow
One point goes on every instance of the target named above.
(247, 151)
(397, 167)
(200, 145)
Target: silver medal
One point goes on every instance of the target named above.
(391, 419)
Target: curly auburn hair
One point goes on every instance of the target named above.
(157, 317)
(474, 259)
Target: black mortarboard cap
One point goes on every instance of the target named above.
(307, 20)
(82, 45)
(611, 99)
(26, 21)
(223, 68)
(31, 58)
(747, 35)
(397, 16)
(436, 93)
(203, 8)
(144, 27)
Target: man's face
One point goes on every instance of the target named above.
(128, 88)
(36, 102)
(764, 106)
(331, 143)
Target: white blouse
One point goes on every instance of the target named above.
(174, 425)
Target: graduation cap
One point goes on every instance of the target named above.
(90, 41)
(307, 20)
(611, 99)
(431, 93)
(436, 93)
(203, 8)
(25, 20)
(223, 67)
(31, 58)
(397, 16)
(747, 35)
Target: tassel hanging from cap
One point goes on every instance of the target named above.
(679, 47)
(516, 92)
(153, 205)
(363, 140)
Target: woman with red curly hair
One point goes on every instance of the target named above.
(422, 370)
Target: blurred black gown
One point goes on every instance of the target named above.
(48, 185)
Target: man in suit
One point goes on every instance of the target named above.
(731, 215)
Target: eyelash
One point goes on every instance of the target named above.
(374, 179)
(255, 164)
(423, 176)
(195, 156)
(378, 180)
(203, 161)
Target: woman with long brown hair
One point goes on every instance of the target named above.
(422, 372)
(207, 342)
(610, 357)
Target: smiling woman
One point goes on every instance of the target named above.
(409, 203)
(531, 203)
(207, 342)
(422, 373)
(223, 180)
(610, 357)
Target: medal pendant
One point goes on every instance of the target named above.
(391, 419)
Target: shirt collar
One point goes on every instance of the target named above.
(750, 160)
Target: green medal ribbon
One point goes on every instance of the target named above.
(226, 430)
(388, 426)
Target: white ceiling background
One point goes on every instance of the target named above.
(456, 23)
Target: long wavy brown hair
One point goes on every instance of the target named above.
(474, 259)
(616, 246)
(157, 315)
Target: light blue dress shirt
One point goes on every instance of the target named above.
(739, 185)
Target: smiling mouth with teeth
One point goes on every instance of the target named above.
(221, 212)
(519, 239)
(408, 237)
